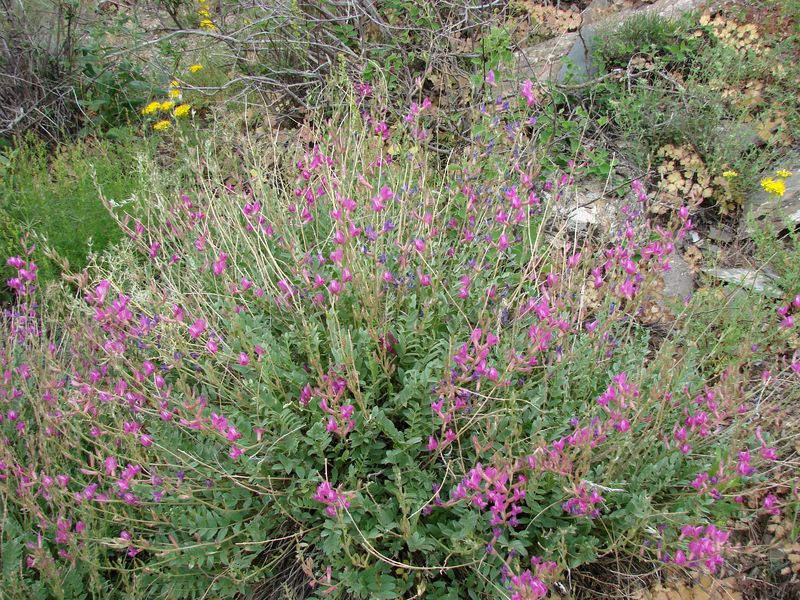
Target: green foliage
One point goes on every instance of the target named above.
(55, 194)
(779, 253)
(649, 35)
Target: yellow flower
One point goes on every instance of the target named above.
(151, 108)
(776, 187)
(162, 125)
(195, 68)
(730, 174)
(174, 83)
(783, 173)
(174, 93)
(207, 24)
(182, 110)
(168, 105)
(203, 12)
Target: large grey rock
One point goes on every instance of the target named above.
(543, 61)
(577, 64)
(737, 137)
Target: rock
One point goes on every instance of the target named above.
(678, 281)
(736, 136)
(720, 235)
(581, 218)
(763, 207)
(759, 281)
(546, 60)
(543, 61)
(585, 207)
(577, 64)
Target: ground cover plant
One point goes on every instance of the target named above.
(348, 368)
(700, 96)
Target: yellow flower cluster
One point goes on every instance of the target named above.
(155, 107)
(775, 187)
(730, 174)
(179, 111)
(151, 108)
(175, 94)
(205, 21)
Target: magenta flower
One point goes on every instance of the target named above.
(526, 586)
(770, 503)
(220, 264)
(305, 395)
(332, 498)
(197, 328)
(527, 92)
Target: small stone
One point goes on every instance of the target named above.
(720, 235)
(777, 557)
(581, 217)
(678, 281)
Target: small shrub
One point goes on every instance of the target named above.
(647, 34)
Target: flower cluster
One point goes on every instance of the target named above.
(332, 402)
(334, 500)
(776, 187)
(498, 490)
(584, 503)
(529, 585)
(704, 547)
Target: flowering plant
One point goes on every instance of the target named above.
(373, 366)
